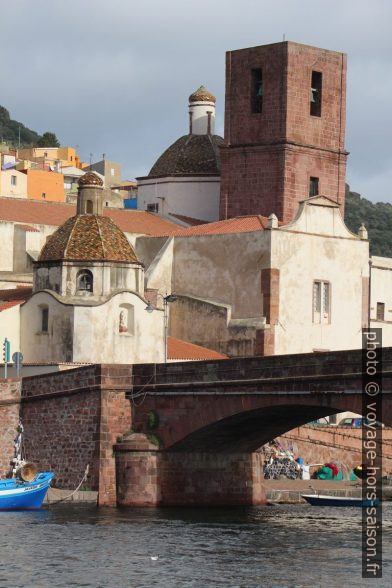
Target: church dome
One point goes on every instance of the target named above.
(202, 95)
(195, 155)
(88, 237)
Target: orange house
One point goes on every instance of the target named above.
(45, 185)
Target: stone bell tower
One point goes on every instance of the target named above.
(284, 129)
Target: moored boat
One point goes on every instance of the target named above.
(16, 494)
(27, 487)
(327, 500)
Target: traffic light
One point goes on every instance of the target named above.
(6, 351)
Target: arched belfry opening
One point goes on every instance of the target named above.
(84, 281)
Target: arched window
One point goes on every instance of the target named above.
(89, 207)
(84, 281)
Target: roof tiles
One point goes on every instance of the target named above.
(179, 349)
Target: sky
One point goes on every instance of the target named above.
(114, 76)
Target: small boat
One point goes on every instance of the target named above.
(27, 487)
(16, 494)
(327, 500)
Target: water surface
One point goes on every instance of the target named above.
(274, 546)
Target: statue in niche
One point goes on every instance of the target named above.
(123, 328)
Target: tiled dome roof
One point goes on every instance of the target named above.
(202, 95)
(88, 237)
(90, 179)
(190, 155)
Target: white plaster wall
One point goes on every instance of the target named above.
(6, 246)
(199, 112)
(56, 344)
(7, 189)
(223, 268)
(381, 291)
(159, 273)
(10, 328)
(97, 338)
(303, 255)
(197, 197)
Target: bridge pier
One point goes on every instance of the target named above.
(147, 476)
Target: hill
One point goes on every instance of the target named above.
(377, 218)
(9, 131)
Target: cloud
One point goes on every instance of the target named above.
(115, 76)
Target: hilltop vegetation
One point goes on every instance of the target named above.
(9, 133)
(377, 218)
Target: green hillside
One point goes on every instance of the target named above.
(9, 131)
(377, 218)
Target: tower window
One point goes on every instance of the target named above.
(209, 114)
(321, 302)
(85, 281)
(313, 186)
(44, 319)
(89, 207)
(257, 90)
(13, 180)
(380, 311)
(315, 93)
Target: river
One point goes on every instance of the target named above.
(274, 546)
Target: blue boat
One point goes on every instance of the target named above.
(325, 500)
(16, 494)
(26, 488)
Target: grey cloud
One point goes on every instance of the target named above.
(114, 76)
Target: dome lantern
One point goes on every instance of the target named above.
(202, 112)
(90, 194)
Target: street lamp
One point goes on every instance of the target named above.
(166, 301)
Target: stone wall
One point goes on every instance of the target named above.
(72, 419)
(334, 444)
(149, 477)
(10, 391)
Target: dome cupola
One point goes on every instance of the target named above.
(202, 112)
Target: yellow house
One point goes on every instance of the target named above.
(64, 156)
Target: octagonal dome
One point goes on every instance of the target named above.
(88, 237)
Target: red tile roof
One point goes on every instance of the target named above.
(18, 293)
(56, 213)
(14, 296)
(189, 220)
(178, 349)
(240, 224)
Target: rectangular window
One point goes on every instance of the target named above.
(380, 311)
(316, 93)
(43, 194)
(313, 186)
(257, 90)
(44, 320)
(112, 171)
(321, 302)
(14, 180)
(153, 207)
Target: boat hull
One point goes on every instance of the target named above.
(320, 500)
(15, 495)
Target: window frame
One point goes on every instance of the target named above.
(321, 312)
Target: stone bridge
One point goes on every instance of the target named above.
(185, 433)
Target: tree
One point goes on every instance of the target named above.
(48, 140)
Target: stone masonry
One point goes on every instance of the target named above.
(270, 156)
(10, 392)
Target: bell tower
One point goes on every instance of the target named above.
(284, 129)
